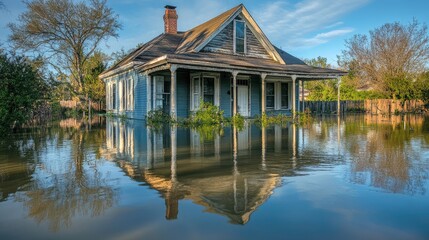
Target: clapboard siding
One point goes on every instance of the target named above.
(254, 47)
(225, 95)
(223, 43)
(140, 96)
(182, 94)
(255, 93)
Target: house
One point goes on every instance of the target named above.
(227, 61)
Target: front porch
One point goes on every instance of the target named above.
(179, 89)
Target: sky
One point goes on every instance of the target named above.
(304, 28)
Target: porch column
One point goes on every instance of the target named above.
(302, 95)
(173, 107)
(149, 93)
(293, 95)
(149, 155)
(338, 97)
(263, 140)
(117, 95)
(263, 97)
(234, 89)
(173, 142)
(298, 105)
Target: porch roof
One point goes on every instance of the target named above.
(223, 62)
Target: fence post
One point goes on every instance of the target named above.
(338, 97)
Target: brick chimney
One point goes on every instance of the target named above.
(170, 19)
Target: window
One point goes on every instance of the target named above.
(161, 93)
(204, 87)
(196, 92)
(277, 95)
(208, 89)
(122, 95)
(270, 94)
(114, 96)
(240, 36)
(130, 88)
(284, 96)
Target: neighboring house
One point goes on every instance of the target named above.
(227, 61)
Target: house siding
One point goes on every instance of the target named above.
(183, 80)
(140, 96)
(255, 93)
(224, 40)
(254, 47)
(225, 98)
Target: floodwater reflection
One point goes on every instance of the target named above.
(388, 156)
(226, 172)
(72, 179)
(54, 173)
(232, 172)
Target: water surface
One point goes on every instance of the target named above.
(358, 177)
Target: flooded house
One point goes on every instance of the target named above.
(227, 61)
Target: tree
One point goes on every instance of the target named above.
(21, 89)
(93, 86)
(66, 32)
(390, 58)
(321, 90)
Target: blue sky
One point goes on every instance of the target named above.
(304, 28)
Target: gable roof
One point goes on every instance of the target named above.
(197, 38)
(200, 34)
(187, 46)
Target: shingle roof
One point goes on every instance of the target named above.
(248, 63)
(200, 33)
(181, 47)
(289, 59)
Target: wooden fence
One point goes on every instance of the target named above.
(386, 106)
(76, 104)
(376, 106)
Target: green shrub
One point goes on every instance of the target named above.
(158, 117)
(21, 89)
(207, 114)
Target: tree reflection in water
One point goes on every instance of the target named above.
(384, 154)
(66, 181)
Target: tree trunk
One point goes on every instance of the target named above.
(89, 109)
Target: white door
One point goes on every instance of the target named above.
(243, 100)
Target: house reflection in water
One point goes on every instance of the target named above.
(227, 172)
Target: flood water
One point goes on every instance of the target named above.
(358, 177)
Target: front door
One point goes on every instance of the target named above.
(243, 100)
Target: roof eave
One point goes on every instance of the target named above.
(157, 62)
(119, 69)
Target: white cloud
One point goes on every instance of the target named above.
(320, 38)
(294, 25)
(334, 25)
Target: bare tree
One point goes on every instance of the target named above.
(65, 32)
(390, 57)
